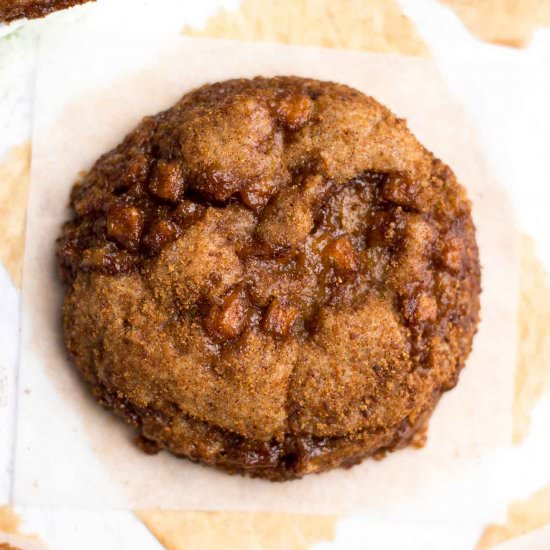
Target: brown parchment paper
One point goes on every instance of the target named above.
(373, 25)
(237, 530)
(522, 517)
(533, 359)
(14, 183)
(11, 537)
(505, 22)
(126, 78)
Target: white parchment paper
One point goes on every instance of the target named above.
(69, 451)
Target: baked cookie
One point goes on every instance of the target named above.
(273, 277)
(32, 9)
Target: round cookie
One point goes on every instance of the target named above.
(273, 277)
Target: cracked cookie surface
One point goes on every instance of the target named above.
(273, 277)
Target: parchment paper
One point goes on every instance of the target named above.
(70, 452)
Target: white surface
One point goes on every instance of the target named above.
(6, 28)
(9, 334)
(447, 40)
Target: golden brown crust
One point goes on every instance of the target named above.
(10, 10)
(273, 277)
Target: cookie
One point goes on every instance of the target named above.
(273, 277)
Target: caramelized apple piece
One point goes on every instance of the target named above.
(294, 110)
(228, 320)
(125, 225)
(279, 318)
(160, 233)
(341, 254)
(167, 180)
(106, 259)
